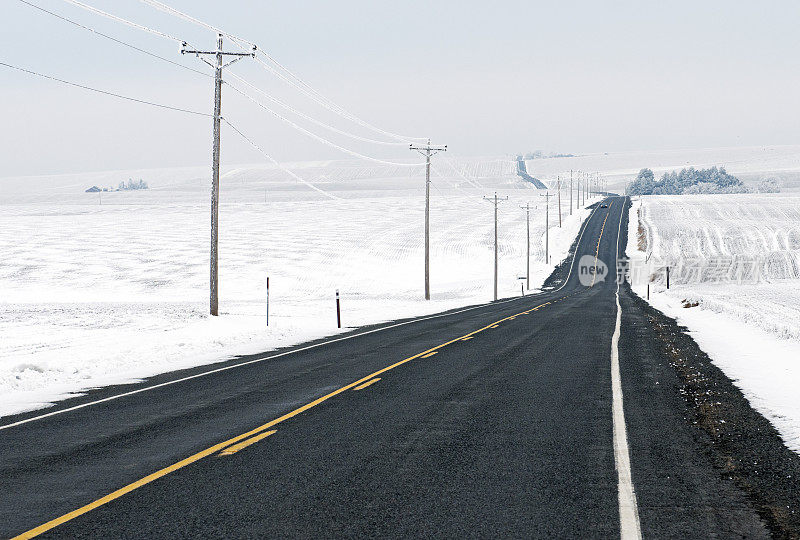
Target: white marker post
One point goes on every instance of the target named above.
(267, 300)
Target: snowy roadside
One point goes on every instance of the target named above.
(98, 295)
(746, 330)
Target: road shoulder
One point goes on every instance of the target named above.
(704, 461)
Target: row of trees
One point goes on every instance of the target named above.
(538, 154)
(132, 185)
(693, 181)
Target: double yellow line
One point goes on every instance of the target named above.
(235, 444)
(597, 249)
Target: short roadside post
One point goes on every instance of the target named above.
(522, 285)
(338, 311)
(267, 300)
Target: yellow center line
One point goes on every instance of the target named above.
(597, 249)
(429, 354)
(467, 338)
(373, 381)
(247, 442)
(217, 447)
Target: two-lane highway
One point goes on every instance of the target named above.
(497, 420)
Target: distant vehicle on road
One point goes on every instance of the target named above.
(603, 206)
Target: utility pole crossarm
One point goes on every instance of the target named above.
(428, 148)
(184, 50)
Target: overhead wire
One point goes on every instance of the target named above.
(116, 18)
(287, 76)
(474, 183)
(105, 92)
(309, 118)
(295, 81)
(116, 40)
(300, 85)
(160, 6)
(292, 78)
(314, 95)
(319, 138)
(276, 163)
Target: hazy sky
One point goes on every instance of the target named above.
(484, 77)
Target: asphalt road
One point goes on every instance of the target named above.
(493, 421)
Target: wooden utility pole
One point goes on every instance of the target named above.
(219, 55)
(585, 186)
(570, 192)
(428, 151)
(546, 227)
(559, 202)
(527, 209)
(496, 200)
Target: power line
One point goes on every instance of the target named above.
(319, 138)
(116, 18)
(289, 77)
(309, 118)
(181, 15)
(167, 9)
(473, 183)
(116, 40)
(105, 92)
(275, 162)
(314, 95)
(295, 80)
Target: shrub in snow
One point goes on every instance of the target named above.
(769, 185)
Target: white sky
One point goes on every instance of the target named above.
(483, 77)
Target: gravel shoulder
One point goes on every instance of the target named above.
(678, 403)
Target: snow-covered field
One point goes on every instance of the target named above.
(737, 257)
(112, 287)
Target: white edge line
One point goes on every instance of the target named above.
(270, 357)
(240, 364)
(629, 525)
